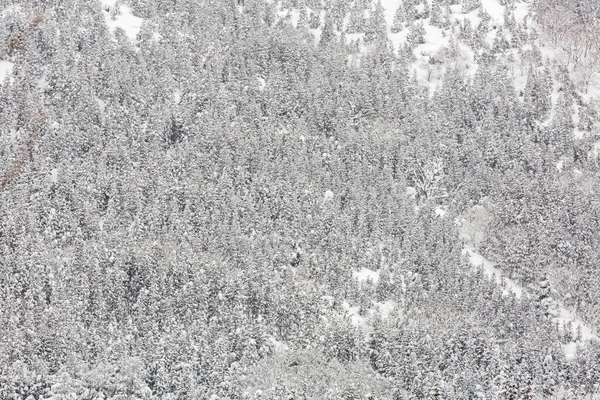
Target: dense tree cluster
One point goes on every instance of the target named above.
(191, 216)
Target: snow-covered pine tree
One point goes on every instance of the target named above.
(399, 20)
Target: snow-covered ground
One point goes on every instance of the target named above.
(560, 313)
(6, 69)
(363, 322)
(123, 18)
(365, 274)
(437, 39)
(492, 272)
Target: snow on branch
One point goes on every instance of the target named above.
(37, 119)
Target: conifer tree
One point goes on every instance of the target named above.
(399, 19)
(328, 34)
(437, 17)
(470, 5)
(416, 34)
(356, 23)
(376, 27)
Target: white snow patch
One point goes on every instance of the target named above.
(386, 308)
(365, 274)
(565, 316)
(353, 312)
(295, 17)
(261, 83)
(595, 152)
(495, 9)
(177, 96)
(440, 211)
(563, 161)
(43, 82)
(328, 196)
(580, 330)
(389, 9)
(457, 15)
(278, 345)
(101, 104)
(6, 69)
(124, 19)
(570, 350)
(54, 175)
(14, 8)
(521, 10)
(491, 272)
(519, 77)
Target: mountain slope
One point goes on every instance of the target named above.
(260, 200)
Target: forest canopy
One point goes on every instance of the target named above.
(208, 199)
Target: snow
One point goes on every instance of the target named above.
(521, 10)
(261, 83)
(570, 350)
(519, 77)
(101, 105)
(495, 9)
(54, 175)
(328, 196)
(434, 40)
(177, 96)
(492, 272)
(437, 39)
(6, 69)
(434, 43)
(14, 8)
(278, 345)
(43, 82)
(365, 274)
(595, 152)
(295, 17)
(385, 308)
(124, 19)
(562, 163)
(473, 16)
(389, 9)
(355, 318)
(440, 211)
(560, 313)
(563, 317)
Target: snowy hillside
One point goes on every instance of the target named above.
(299, 199)
(511, 29)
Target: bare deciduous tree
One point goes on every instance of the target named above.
(574, 26)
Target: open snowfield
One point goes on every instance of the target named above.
(123, 18)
